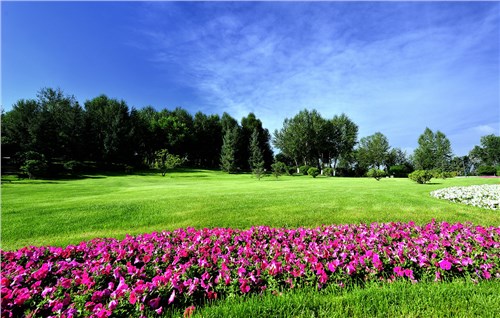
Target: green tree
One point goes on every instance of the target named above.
(166, 161)
(256, 159)
(373, 150)
(344, 137)
(302, 138)
(433, 151)
(207, 139)
(228, 151)
(488, 154)
(248, 125)
(278, 168)
(108, 129)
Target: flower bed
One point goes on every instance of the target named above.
(483, 196)
(147, 274)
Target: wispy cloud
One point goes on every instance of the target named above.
(392, 68)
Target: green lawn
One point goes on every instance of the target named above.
(61, 212)
(398, 299)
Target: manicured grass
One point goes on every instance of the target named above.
(399, 299)
(62, 212)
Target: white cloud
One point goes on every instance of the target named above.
(277, 62)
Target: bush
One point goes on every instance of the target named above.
(34, 168)
(313, 172)
(291, 170)
(421, 176)
(444, 174)
(399, 171)
(73, 166)
(129, 169)
(376, 173)
(304, 169)
(328, 172)
(486, 171)
(278, 169)
(498, 170)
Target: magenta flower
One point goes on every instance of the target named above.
(444, 264)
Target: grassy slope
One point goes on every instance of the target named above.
(67, 211)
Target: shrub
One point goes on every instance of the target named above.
(486, 171)
(33, 164)
(129, 169)
(291, 170)
(304, 169)
(278, 169)
(421, 176)
(498, 170)
(399, 171)
(313, 172)
(328, 172)
(376, 173)
(73, 166)
(34, 168)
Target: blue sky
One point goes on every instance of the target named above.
(393, 67)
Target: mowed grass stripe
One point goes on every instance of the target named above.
(62, 212)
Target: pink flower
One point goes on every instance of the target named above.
(132, 298)
(172, 297)
(444, 264)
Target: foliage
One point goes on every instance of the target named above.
(488, 154)
(150, 273)
(228, 152)
(399, 171)
(33, 164)
(107, 132)
(486, 171)
(166, 161)
(304, 137)
(328, 172)
(421, 176)
(313, 172)
(256, 159)
(278, 168)
(73, 166)
(303, 170)
(249, 125)
(373, 150)
(484, 196)
(376, 173)
(34, 168)
(433, 151)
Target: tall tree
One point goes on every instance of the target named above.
(488, 154)
(256, 159)
(344, 136)
(373, 150)
(228, 151)
(433, 151)
(301, 137)
(108, 130)
(207, 139)
(248, 125)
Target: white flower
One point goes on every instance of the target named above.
(484, 196)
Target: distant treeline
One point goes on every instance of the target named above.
(107, 132)
(54, 130)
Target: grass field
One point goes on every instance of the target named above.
(62, 212)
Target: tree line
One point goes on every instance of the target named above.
(105, 133)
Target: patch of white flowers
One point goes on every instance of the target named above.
(483, 196)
